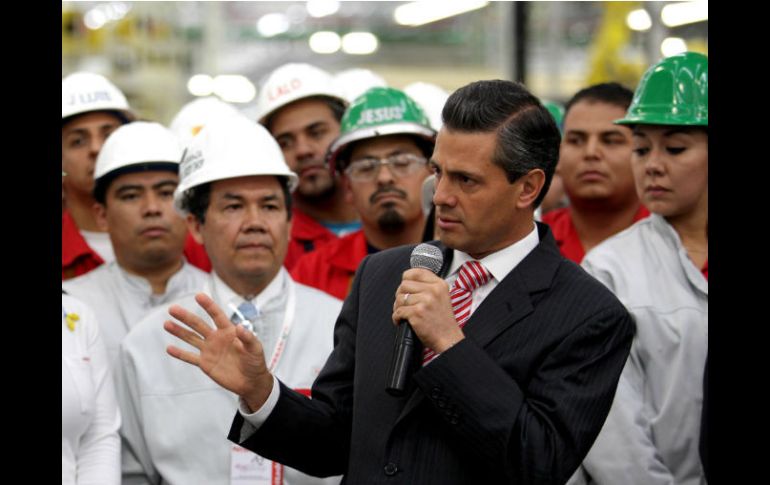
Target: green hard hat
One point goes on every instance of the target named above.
(379, 111)
(557, 111)
(675, 91)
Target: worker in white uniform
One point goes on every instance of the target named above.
(235, 191)
(659, 269)
(90, 446)
(136, 173)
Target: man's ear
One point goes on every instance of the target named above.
(346, 189)
(194, 226)
(531, 185)
(100, 213)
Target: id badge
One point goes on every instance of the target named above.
(248, 468)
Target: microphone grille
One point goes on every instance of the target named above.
(427, 256)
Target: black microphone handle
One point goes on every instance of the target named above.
(408, 348)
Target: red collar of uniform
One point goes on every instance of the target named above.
(73, 244)
(565, 233)
(348, 251)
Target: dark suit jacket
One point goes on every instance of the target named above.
(520, 400)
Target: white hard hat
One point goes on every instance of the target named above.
(137, 145)
(291, 82)
(431, 98)
(230, 147)
(356, 81)
(195, 114)
(82, 92)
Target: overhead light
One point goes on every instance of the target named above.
(639, 20)
(360, 43)
(322, 8)
(95, 19)
(234, 88)
(99, 16)
(325, 42)
(676, 14)
(672, 46)
(200, 85)
(272, 24)
(425, 12)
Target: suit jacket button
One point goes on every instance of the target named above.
(435, 393)
(391, 469)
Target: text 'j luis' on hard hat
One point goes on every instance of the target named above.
(83, 92)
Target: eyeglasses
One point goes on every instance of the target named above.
(400, 165)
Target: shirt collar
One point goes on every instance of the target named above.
(501, 262)
(229, 299)
(133, 282)
(142, 285)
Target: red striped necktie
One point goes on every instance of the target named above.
(472, 275)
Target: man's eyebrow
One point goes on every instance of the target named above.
(163, 183)
(127, 187)
(463, 173)
(312, 126)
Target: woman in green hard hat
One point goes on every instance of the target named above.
(659, 269)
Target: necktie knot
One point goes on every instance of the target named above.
(472, 274)
(246, 315)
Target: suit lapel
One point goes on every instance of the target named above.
(509, 302)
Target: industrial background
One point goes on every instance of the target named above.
(163, 54)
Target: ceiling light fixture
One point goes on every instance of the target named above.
(639, 20)
(676, 14)
(359, 43)
(672, 46)
(324, 42)
(414, 14)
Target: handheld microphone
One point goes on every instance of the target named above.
(406, 346)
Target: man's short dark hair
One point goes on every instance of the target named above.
(337, 107)
(609, 93)
(527, 135)
(197, 199)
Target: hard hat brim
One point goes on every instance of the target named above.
(102, 183)
(660, 120)
(339, 145)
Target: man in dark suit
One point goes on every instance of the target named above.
(516, 393)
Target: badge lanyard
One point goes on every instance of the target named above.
(246, 467)
(288, 321)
